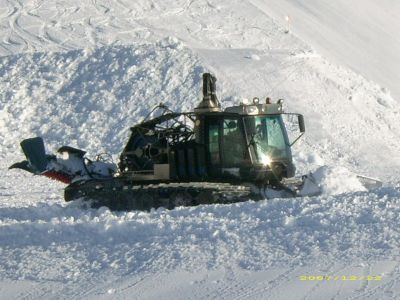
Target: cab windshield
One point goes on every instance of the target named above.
(268, 135)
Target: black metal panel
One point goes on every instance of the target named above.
(181, 163)
(201, 161)
(191, 159)
(172, 164)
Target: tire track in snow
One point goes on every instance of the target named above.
(7, 39)
(364, 284)
(124, 6)
(233, 287)
(141, 286)
(90, 32)
(230, 288)
(268, 291)
(11, 11)
(44, 36)
(318, 284)
(37, 291)
(375, 291)
(97, 286)
(100, 7)
(30, 40)
(20, 38)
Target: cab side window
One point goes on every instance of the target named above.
(213, 144)
(233, 147)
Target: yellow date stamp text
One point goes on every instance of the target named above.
(339, 278)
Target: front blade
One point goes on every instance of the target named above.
(35, 153)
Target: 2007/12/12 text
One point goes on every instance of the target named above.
(339, 278)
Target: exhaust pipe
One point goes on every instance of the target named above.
(210, 101)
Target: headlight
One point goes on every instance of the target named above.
(265, 160)
(251, 110)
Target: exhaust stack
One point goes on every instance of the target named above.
(210, 101)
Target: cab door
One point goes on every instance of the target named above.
(213, 146)
(225, 145)
(233, 146)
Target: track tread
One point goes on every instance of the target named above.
(119, 195)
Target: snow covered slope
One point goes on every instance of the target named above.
(90, 99)
(361, 34)
(82, 72)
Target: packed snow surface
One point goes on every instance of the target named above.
(80, 73)
(360, 34)
(62, 250)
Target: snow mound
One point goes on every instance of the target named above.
(89, 98)
(337, 180)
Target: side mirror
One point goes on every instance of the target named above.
(302, 127)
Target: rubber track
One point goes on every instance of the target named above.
(119, 196)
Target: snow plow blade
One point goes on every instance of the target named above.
(70, 165)
(35, 154)
(369, 183)
(304, 186)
